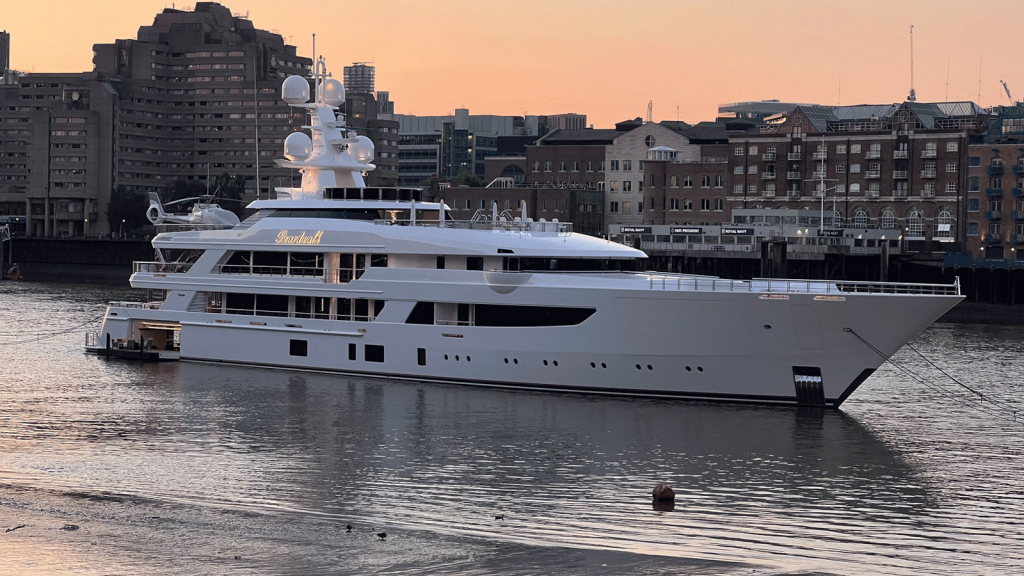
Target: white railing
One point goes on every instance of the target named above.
(928, 153)
(136, 305)
(773, 286)
(510, 225)
(900, 153)
(161, 267)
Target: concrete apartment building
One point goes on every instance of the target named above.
(178, 102)
(369, 110)
(898, 166)
(995, 188)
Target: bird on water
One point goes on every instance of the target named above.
(382, 535)
(499, 517)
(348, 528)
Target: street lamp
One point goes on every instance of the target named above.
(122, 228)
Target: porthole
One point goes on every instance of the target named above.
(603, 365)
(767, 326)
(506, 360)
(468, 359)
(456, 357)
(592, 365)
(687, 368)
(555, 362)
(649, 367)
(700, 368)
(515, 360)
(545, 362)
(445, 356)
(638, 367)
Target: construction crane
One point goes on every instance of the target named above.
(1007, 88)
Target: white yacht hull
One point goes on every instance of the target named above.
(734, 346)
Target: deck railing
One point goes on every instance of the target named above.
(161, 267)
(510, 225)
(774, 286)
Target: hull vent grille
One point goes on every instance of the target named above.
(808, 384)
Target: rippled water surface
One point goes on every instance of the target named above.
(185, 468)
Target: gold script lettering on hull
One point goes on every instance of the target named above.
(302, 238)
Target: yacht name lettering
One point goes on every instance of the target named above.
(302, 238)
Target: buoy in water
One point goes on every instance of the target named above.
(663, 493)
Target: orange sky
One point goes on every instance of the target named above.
(599, 57)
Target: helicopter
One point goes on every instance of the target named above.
(203, 213)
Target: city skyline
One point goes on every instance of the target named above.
(693, 55)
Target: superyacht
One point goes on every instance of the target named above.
(336, 276)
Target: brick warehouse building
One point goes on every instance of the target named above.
(889, 166)
(995, 188)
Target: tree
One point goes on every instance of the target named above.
(467, 178)
(127, 208)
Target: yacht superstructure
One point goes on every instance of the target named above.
(335, 276)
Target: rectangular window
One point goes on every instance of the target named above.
(840, 148)
(297, 347)
(972, 228)
(613, 207)
(973, 184)
(440, 262)
(950, 166)
(950, 187)
(973, 205)
(627, 207)
(952, 146)
(854, 168)
(752, 189)
(421, 356)
(627, 185)
(841, 168)
(627, 165)
(854, 148)
(474, 263)
(373, 353)
(351, 351)
(753, 150)
(738, 151)
(737, 189)
(974, 161)
(615, 166)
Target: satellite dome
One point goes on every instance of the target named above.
(361, 150)
(295, 90)
(297, 146)
(333, 92)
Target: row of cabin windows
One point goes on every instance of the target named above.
(495, 315)
(344, 268)
(351, 309)
(371, 352)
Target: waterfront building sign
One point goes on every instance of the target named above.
(837, 233)
(737, 231)
(302, 238)
(635, 229)
(686, 230)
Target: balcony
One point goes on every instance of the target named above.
(769, 193)
(928, 153)
(900, 193)
(872, 154)
(989, 238)
(928, 193)
(871, 193)
(1018, 192)
(897, 154)
(768, 156)
(873, 174)
(1018, 169)
(820, 155)
(794, 176)
(1017, 215)
(793, 193)
(994, 215)
(994, 169)
(795, 156)
(1017, 238)
(900, 174)
(818, 174)
(927, 173)
(767, 175)
(994, 192)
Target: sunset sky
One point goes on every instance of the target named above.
(602, 58)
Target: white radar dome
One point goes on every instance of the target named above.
(333, 92)
(297, 146)
(361, 150)
(295, 90)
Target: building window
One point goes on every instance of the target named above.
(737, 189)
(719, 181)
(854, 148)
(615, 186)
(705, 181)
(561, 166)
(840, 148)
(855, 188)
(627, 207)
(688, 182)
(590, 165)
(752, 189)
(973, 184)
(627, 165)
(737, 170)
(614, 165)
(860, 218)
(651, 204)
(536, 165)
(547, 166)
(950, 166)
(952, 146)
(627, 185)
(687, 205)
(995, 228)
(974, 161)
(950, 187)
(854, 168)
(613, 207)
(769, 189)
(841, 168)
(887, 220)
(973, 205)
(673, 204)
(649, 141)
(467, 204)
(674, 181)
(972, 228)
(705, 205)
(840, 189)
(654, 182)
(575, 166)
(720, 204)
(944, 223)
(753, 150)
(915, 222)
(738, 151)
(752, 169)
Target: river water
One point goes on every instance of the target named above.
(185, 468)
